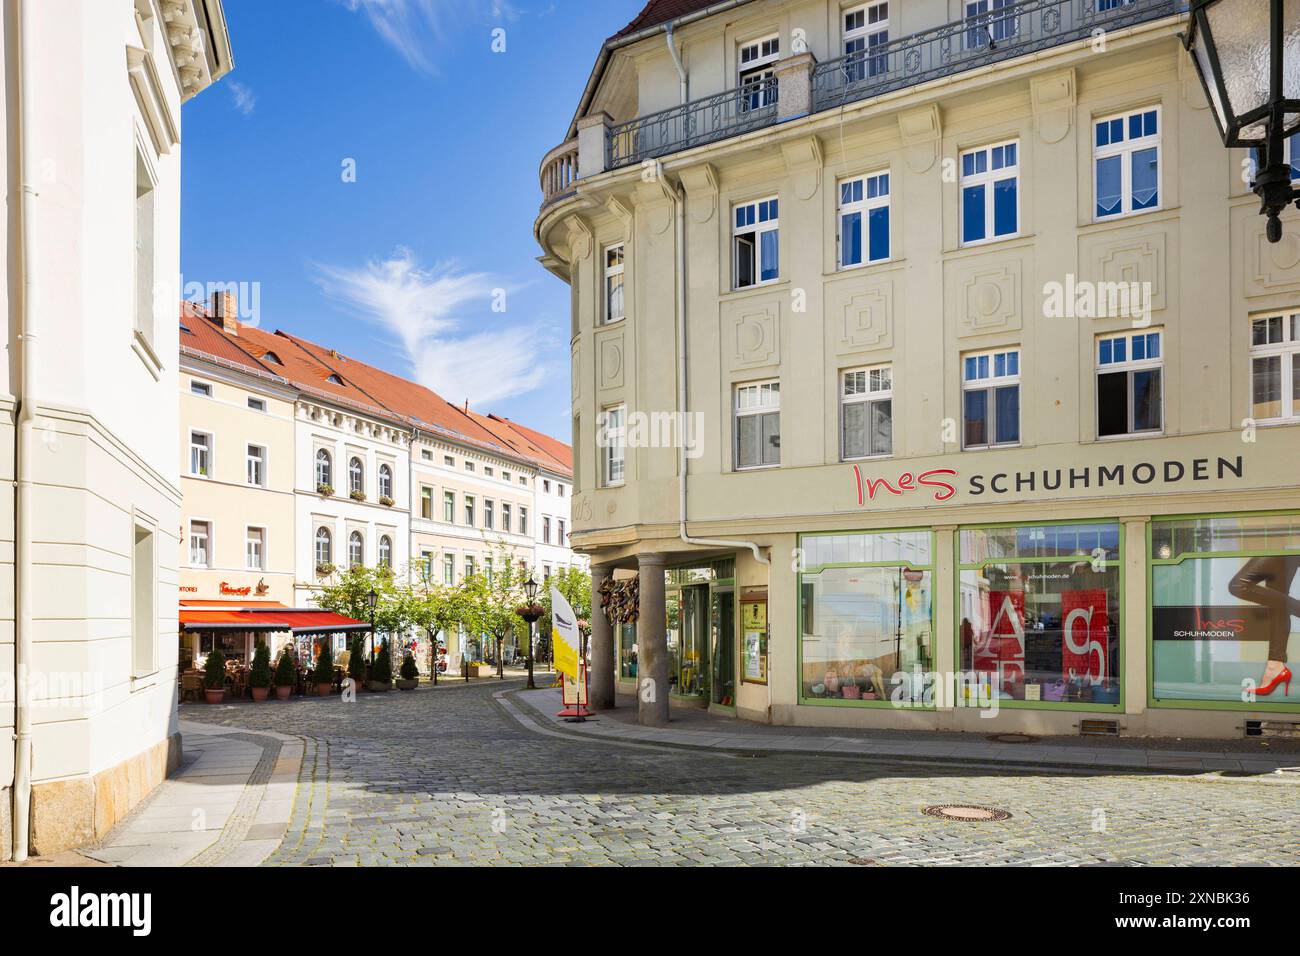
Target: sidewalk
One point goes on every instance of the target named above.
(228, 805)
(697, 728)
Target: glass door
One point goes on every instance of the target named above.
(693, 671)
(723, 647)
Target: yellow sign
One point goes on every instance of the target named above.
(564, 635)
(755, 616)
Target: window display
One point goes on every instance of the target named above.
(627, 651)
(1039, 611)
(866, 617)
(1225, 615)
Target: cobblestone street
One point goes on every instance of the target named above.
(447, 776)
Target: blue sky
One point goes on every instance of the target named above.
(399, 267)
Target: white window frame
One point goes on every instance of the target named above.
(257, 404)
(863, 208)
(614, 453)
(1287, 352)
(760, 68)
(201, 389)
(356, 537)
(755, 229)
(506, 516)
(448, 461)
(249, 541)
(448, 569)
(878, 386)
(255, 465)
(208, 537)
(523, 519)
(385, 468)
(328, 464)
(204, 453)
(1128, 366)
(144, 596)
(870, 30)
(357, 475)
(471, 513)
(329, 545)
(989, 18)
(383, 560)
(489, 514)
(765, 404)
(1125, 150)
(426, 496)
(615, 271)
(448, 505)
(546, 529)
(987, 179)
(990, 384)
(559, 532)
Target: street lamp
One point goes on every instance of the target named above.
(530, 592)
(372, 599)
(1248, 60)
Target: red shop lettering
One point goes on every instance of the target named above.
(867, 487)
(1234, 624)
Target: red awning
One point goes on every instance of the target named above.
(298, 620)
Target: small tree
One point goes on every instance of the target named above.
(285, 670)
(259, 675)
(324, 671)
(357, 660)
(409, 671)
(214, 671)
(492, 597)
(382, 670)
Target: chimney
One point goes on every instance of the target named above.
(225, 312)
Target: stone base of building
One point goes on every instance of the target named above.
(6, 824)
(72, 813)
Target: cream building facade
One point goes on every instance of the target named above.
(92, 130)
(990, 374)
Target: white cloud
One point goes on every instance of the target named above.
(428, 310)
(245, 98)
(414, 27)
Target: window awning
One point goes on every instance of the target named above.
(297, 620)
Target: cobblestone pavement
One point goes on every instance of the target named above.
(447, 777)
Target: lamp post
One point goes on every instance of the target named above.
(1241, 49)
(530, 592)
(371, 600)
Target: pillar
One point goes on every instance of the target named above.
(652, 643)
(602, 644)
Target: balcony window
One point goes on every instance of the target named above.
(1126, 163)
(864, 200)
(757, 75)
(756, 249)
(865, 29)
(991, 399)
(989, 22)
(866, 412)
(758, 425)
(990, 203)
(1129, 383)
(614, 267)
(1275, 368)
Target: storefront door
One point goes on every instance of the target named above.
(722, 647)
(693, 673)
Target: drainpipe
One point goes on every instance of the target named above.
(679, 202)
(22, 795)
(677, 62)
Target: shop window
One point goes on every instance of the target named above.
(864, 220)
(1275, 367)
(1225, 599)
(1039, 612)
(1126, 163)
(758, 425)
(756, 244)
(990, 204)
(991, 399)
(866, 412)
(627, 651)
(1129, 383)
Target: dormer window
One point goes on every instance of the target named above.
(334, 380)
(755, 63)
(272, 358)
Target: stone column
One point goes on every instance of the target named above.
(652, 643)
(794, 77)
(602, 644)
(593, 139)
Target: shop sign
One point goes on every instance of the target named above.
(229, 590)
(1211, 623)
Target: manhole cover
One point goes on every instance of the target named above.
(966, 813)
(1011, 738)
(862, 861)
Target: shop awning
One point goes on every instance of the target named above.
(297, 620)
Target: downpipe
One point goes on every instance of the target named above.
(678, 194)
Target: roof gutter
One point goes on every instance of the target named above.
(617, 43)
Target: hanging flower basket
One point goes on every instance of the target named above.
(530, 612)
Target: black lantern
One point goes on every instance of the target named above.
(1247, 54)
(530, 589)
(372, 598)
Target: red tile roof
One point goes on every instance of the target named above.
(661, 11)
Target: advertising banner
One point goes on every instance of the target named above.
(1002, 649)
(1085, 635)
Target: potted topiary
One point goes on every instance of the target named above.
(323, 675)
(357, 663)
(285, 674)
(259, 675)
(381, 671)
(408, 677)
(214, 677)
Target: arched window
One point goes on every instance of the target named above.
(385, 552)
(356, 475)
(356, 549)
(324, 549)
(385, 481)
(324, 468)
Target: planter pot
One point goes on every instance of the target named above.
(214, 696)
(260, 693)
(358, 684)
(378, 686)
(323, 690)
(408, 684)
(282, 693)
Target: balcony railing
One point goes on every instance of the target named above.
(1001, 33)
(750, 106)
(558, 171)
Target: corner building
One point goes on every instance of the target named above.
(994, 381)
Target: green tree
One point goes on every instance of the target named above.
(347, 593)
(259, 675)
(492, 594)
(575, 585)
(436, 608)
